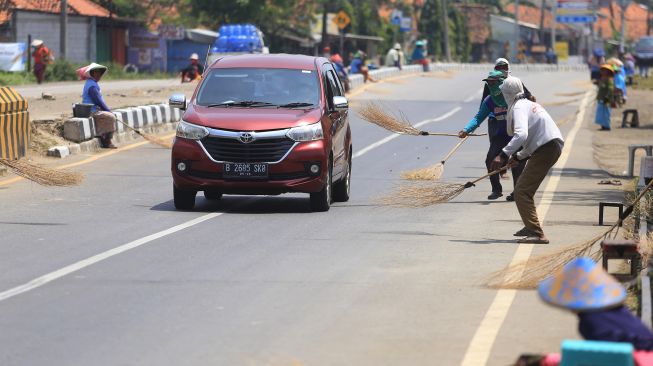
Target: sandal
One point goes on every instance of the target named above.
(533, 240)
(525, 232)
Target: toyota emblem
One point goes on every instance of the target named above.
(246, 137)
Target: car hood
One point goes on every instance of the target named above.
(250, 119)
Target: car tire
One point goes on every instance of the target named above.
(342, 188)
(184, 200)
(212, 195)
(321, 201)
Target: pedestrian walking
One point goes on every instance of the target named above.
(536, 138)
(501, 64)
(194, 71)
(629, 67)
(42, 58)
(105, 121)
(395, 57)
(595, 62)
(605, 97)
(494, 107)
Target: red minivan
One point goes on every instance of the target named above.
(264, 124)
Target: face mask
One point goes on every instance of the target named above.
(496, 95)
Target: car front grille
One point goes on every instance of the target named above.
(259, 151)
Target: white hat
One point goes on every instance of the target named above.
(37, 42)
(85, 72)
(194, 56)
(397, 46)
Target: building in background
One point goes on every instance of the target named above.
(93, 34)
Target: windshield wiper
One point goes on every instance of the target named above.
(296, 105)
(242, 103)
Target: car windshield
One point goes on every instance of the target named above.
(259, 87)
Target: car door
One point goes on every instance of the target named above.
(338, 120)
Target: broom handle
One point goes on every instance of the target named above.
(426, 133)
(130, 127)
(630, 208)
(453, 150)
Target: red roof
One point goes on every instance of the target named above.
(532, 15)
(635, 21)
(75, 7)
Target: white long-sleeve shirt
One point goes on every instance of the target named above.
(531, 127)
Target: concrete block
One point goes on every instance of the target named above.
(59, 151)
(79, 129)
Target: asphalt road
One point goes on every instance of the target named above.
(261, 280)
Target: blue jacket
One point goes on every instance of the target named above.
(93, 95)
(355, 66)
(496, 125)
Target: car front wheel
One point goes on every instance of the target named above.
(184, 200)
(321, 201)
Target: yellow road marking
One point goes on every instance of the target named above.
(480, 347)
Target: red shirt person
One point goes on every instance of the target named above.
(42, 57)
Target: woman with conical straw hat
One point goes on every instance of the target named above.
(536, 137)
(585, 288)
(105, 121)
(494, 107)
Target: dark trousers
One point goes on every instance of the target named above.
(497, 143)
(39, 72)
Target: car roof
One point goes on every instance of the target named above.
(280, 60)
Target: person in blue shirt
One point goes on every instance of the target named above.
(357, 66)
(495, 108)
(104, 119)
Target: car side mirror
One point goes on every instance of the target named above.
(340, 103)
(178, 101)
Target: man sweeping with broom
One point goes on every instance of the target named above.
(494, 108)
(537, 135)
(105, 121)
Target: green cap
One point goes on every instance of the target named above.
(495, 75)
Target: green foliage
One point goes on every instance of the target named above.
(16, 78)
(62, 70)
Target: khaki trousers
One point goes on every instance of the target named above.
(537, 168)
(105, 123)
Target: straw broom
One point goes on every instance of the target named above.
(41, 175)
(427, 194)
(375, 114)
(434, 172)
(148, 137)
(528, 274)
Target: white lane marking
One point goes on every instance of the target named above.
(40, 281)
(387, 139)
(476, 95)
(480, 347)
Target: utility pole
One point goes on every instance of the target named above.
(516, 45)
(622, 39)
(445, 26)
(648, 18)
(324, 30)
(553, 24)
(63, 29)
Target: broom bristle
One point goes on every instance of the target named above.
(373, 113)
(431, 173)
(422, 195)
(41, 175)
(526, 275)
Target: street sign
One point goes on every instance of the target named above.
(406, 24)
(575, 11)
(342, 20)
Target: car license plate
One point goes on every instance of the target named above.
(245, 170)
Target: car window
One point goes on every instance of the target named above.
(328, 88)
(275, 86)
(336, 82)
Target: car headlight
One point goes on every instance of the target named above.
(306, 133)
(191, 131)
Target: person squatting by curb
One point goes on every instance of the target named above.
(105, 121)
(494, 107)
(536, 137)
